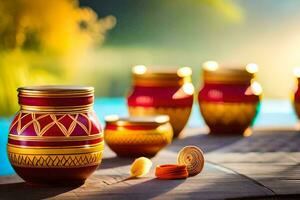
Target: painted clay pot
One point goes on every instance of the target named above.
(157, 92)
(229, 99)
(137, 136)
(55, 138)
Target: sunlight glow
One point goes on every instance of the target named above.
(162, 118)
(111, 118)
(252, 68)
(184, 71)
(139, 69)
(256, 88)
(297, 72)
(211, 65)
(188, 88)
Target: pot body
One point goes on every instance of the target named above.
(228, 108)
(56, 137)
(138, 138)
(171, 101)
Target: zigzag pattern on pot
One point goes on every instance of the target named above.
(40, 131)
(146, 139)
(55, 161)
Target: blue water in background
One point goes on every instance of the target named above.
(273, 113)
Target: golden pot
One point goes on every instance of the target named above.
(55, 138)
(157, 92)
(229, 99)
(137, 136)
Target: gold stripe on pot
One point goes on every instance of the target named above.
(48, 151)
(125, 121)
(55, 138)
(144, 76)
(57, 109)
(55, 161)
(215, 73)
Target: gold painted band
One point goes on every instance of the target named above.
(226, 80)
(227, 76)
(96, 163)
(169, 74)
(57, 109)
(141, 121)
(228, 103)
(56, 91)
(55, 138)
(160, 82)
(41, 95)
(58, 94)
(55, 161)
(141, 133)
(56, 151)
(57, 147)
(139, 110)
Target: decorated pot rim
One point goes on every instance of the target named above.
(55, 91)
(150, 76)
(136, 120)
(215, 73)
(56, 98)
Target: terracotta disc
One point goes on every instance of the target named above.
(193, 158)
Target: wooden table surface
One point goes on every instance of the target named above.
(265, 165)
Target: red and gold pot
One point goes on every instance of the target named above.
(229, 99)
(137, 136)
(55, 138)
(157, 92)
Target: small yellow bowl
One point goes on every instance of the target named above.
(137, 136)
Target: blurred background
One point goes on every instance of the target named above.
(96, 42)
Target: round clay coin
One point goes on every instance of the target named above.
(193, 158)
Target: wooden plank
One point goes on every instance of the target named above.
(280, 178)
(214, 182)
(284, 158)
(232, 171)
